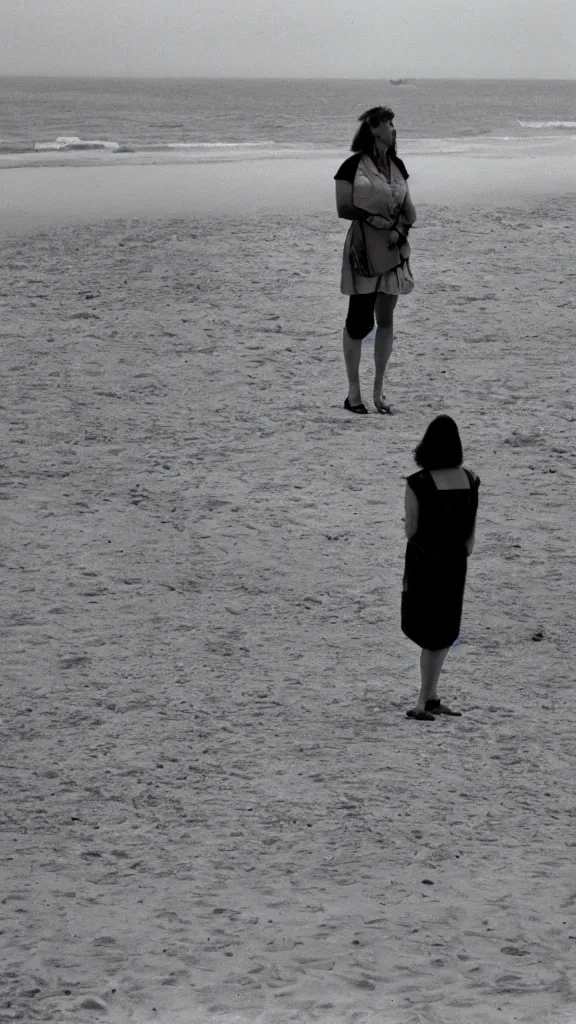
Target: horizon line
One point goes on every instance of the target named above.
(280, 78)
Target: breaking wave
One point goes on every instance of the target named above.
(69, 150)
(547, 124)
(72, 142)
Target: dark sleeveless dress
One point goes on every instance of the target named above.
(435, 565)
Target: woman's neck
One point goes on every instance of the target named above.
(382, 155)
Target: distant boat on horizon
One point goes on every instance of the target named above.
(399, 81)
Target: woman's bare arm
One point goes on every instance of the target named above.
(409, 210)
(407, 219)
(411, 512)
(470, 543)
(347, 210)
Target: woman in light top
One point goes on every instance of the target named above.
(372, 192)
(441, 506)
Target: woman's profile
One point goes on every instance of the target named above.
(372, 191)
(441, 503)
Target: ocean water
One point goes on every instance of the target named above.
(43, 120)
(76, 150)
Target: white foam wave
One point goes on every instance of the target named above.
(71, 143)
(217, 145)
(66, 143)
(546, 124)
(72, 151)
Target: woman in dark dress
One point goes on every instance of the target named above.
(441, 506)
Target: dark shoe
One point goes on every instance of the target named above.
(440, 709)
(356, 408)
(422, 716)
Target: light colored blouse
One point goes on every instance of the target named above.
(370, 190)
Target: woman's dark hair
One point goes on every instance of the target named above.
(441, 447)
(363, 141)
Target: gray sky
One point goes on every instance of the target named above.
(292, 38)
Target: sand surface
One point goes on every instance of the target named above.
(213, 806)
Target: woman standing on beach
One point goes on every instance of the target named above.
(372, 192)
(441, 506)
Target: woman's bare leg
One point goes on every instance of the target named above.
(352, 352)
(383, 343)
(431, 663)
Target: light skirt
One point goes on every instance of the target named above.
(394, 282)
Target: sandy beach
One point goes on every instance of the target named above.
(213, 806)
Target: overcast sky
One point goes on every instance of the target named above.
(290, 38)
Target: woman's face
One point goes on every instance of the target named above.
(384, 133)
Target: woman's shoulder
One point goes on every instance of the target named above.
(347, 170)
(416, 480)
(473, 477)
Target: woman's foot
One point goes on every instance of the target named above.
(357, 407)
(436, 705)
(422, 716)
(382, 405)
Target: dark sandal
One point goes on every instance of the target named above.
(440, 709)
(356, 408)
(422, 716)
